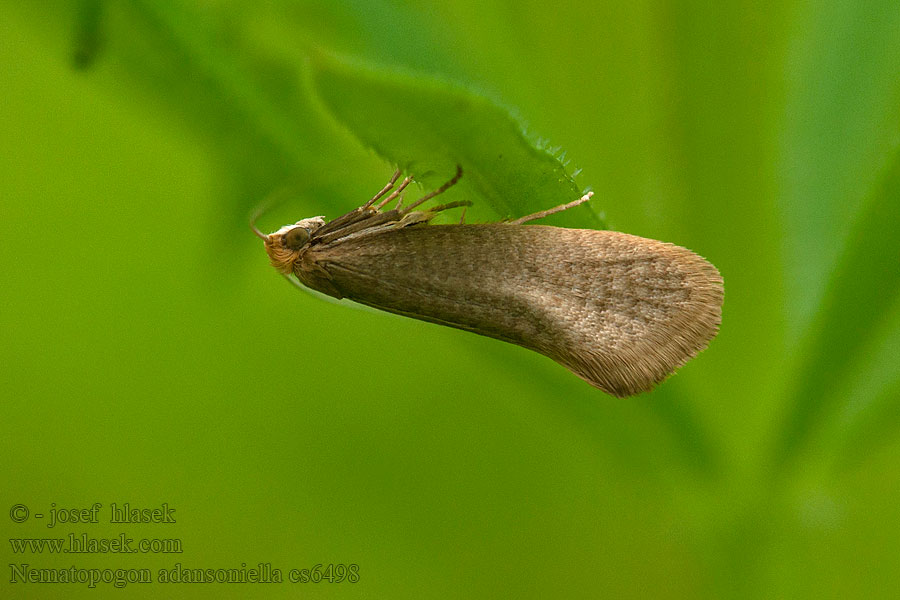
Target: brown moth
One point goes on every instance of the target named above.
(620, 311)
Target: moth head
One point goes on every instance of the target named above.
(285, 246)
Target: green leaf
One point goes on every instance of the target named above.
(878, 423)
(863, 289)
(88, 33)
(427, 126)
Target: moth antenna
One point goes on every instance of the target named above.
(294, 282)
(436, 192)
(395, 193)
(551, 211)
(274, 198)
(254, 218)
(384, 190)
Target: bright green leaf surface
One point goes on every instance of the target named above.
(850, 315)
(428, 126)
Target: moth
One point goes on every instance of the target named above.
(620, 311)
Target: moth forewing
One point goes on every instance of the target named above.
(620, 311)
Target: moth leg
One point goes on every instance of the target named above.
(395, 193)
(436, 192)
(462, 216)
(449, 205)
(384, 190)
(551, 211)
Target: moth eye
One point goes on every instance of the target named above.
(295, 238)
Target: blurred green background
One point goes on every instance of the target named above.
(149, 353)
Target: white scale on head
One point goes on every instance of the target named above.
(310, 224)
